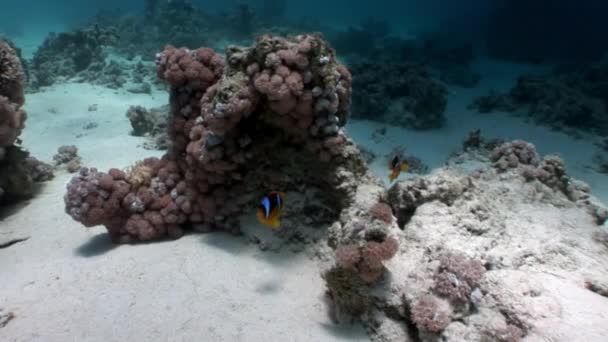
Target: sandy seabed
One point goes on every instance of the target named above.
(67, 283)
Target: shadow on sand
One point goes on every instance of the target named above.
(12, 209)
(96, 246)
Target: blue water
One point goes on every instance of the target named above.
(557, 29)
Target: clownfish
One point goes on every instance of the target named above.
(396, 166)
(270, 209)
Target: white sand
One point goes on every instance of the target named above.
(69, 283)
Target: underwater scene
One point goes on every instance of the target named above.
(279, 170)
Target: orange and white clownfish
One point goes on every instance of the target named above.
(270, 209)
(396, 166)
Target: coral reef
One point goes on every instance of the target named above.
(183, 24)
(66, 54)
(566, 100)
(400, 93)
(514, 153)
(449, 57)
(18, 170)
(227, 118)
(478, 255)
(550, 171)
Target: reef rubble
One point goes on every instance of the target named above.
(487, 246)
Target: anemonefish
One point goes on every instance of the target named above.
(396, 166)
(270, 209)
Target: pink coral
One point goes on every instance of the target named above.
(382, 211)
(458, 276)
(368, 259)
(430, 314)
(224, 113)
(198, 69)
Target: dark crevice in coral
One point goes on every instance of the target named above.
(404, 217)
(411, 326)
(600, 289)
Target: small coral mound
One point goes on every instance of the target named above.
(367, 259)
(512, 154)
(457, 277)
(382, 211)
(67, 156)
(406, 196)
(150, 123)
(431, 314)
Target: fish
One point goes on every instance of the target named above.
(270, 209)
(396, 166)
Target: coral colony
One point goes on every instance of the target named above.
(224, 114)
(18, 170)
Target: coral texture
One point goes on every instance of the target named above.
(458, 276)
(67, 156)
(430, 314)
(367, 259)
(382, 211)
(18, 170)
(512, 154)
(408, 195)
(12, 117)
(144, 121)
(230, 120)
